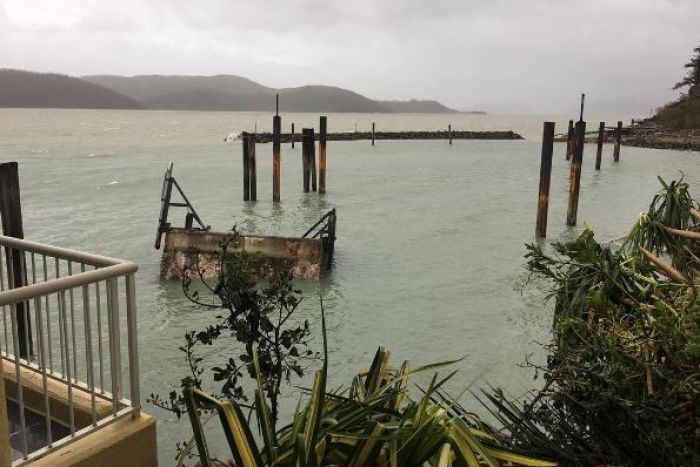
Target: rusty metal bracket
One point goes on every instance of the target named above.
(324, 229)
(165, 203)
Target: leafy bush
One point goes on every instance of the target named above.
(249, 318)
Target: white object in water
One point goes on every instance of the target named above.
(233, 136)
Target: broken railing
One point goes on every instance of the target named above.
(307, 256)
(166, 203)
(77, 343)
(324, 229)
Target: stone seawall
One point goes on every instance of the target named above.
(661, 138)
(396, 135)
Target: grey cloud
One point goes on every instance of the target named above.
(503, 55)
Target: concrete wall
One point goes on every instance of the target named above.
(5, 456)
(187, 249)
(129, 442)
(126, 442)
(33, 396)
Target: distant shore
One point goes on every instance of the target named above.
(649, 135)
(657, 137)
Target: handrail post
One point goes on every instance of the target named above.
(5, 456)
(114, 341)
(131, 323)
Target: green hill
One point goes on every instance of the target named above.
(230, 92)
(682, 114)
(221, 92)
(156, 87)
(28, 89)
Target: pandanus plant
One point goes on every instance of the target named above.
(668, 227)
(374, 422)
(623, 368)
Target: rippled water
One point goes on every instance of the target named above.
(430, 236)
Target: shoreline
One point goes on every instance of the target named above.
(648, 136)
(654, 137)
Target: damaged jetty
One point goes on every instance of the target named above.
(196, 251)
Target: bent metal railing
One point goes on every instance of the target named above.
(65, 325)
(324, 229)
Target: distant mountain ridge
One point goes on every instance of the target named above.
(173, 92)
(230, 92)
(39, 90)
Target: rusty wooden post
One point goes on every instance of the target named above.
(449, 131)
(570, 140)
(599, 149)
(276, 157)
(545, 176)
(16, 267)
(292, 135)
(312, 159)
(322, 154)
(306, 144)
(618, 138)
(253, 169)
(575, 174)
(245, 137)
(372, 133)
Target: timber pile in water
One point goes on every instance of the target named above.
(396, 135)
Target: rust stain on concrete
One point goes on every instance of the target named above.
(195, 252)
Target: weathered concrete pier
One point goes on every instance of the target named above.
(197, 252)
(395, 135)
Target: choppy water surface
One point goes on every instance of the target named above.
(429, 256)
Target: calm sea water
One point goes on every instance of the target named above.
(429, 256)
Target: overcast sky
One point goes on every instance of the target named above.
(512, 56)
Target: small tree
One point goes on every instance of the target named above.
(693, 76)
(257, 318)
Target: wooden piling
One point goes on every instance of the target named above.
(245, 137)
(15, 266)
(618, 138)
(575, 174)
(292, 135)
(312, 160)
(570, 140)
(253, 169)
(189, 220)
(545, 177)
(306, 145)
(372, 133)
(449, 133)
(276, 157)
(322, 154)
(599, 149)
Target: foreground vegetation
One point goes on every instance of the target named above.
(621, 381)
(623, 371)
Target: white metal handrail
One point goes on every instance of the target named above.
(56, 298)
